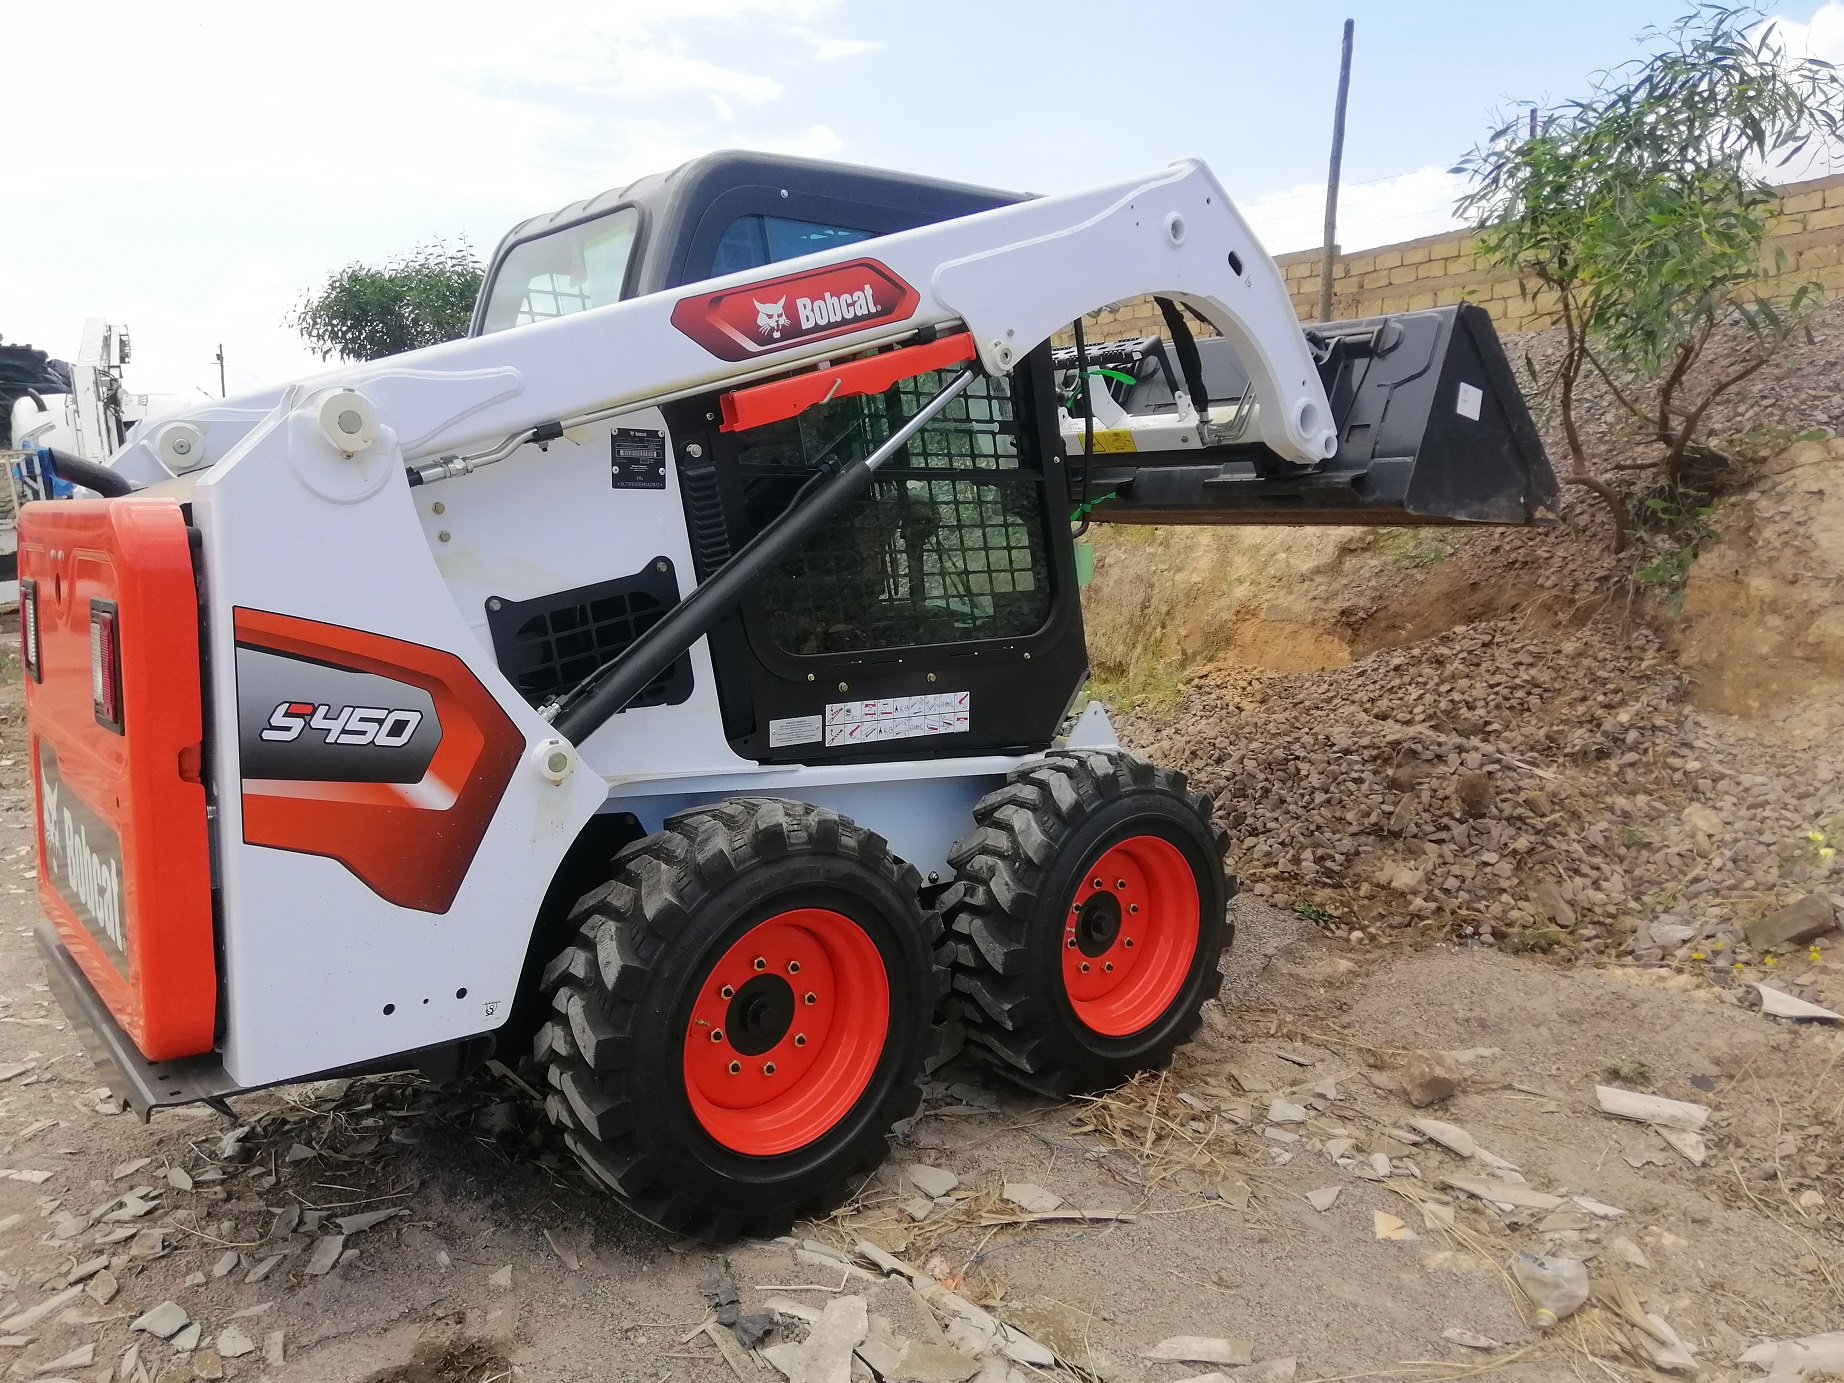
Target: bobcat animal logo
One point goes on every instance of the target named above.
(771, 317)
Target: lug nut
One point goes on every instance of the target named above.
(812, 998)
(1100, 883)
(736, 1067)
(1071, 943)
(727, 992)
(1085, 967)
(761, 964)
(1107, 965)
(1120, 883)
(1133, 907)
(768, 1068)
(793, 967)
(1128, 943)
(800, 1039)
(717, 1034)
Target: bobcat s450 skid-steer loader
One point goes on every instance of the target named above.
(670, 683)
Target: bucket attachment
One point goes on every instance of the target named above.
(1432, 429)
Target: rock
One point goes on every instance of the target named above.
(1201, 1349)
(165, 1320)
(187, 1340)
(208, 1364)
(1777, 1003)
(1032, 1199)
(22, 1321)
(1283, 1112)
(226, 1264)
(272, 1349)
(918, 1208)
(233, 1343)
(262, 1269)
(1430, 1077)
(825, 1356)
(1549, 900)
(501, 1277)
(1472, 793)
(1269, 1371)
(1702, 820)
(1651, 1109)
(1630, 1253)
(1811, 917)
(325, 1256)
(1387, 1226)
(1690, 1146)
(1322, 1199)
(1667, 934)
(1472, 1339)
(932, 1181)
(924, 1361)
(102, 1287)
(353, 1224)
(1450, 1136)
(79, 1358)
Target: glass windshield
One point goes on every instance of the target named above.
(569, 270)
(752, 241)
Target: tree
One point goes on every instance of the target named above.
(416, 299)
(1642, 214)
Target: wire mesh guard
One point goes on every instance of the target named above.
(947, 546)
(549, 645)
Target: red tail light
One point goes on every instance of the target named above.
(106, 665)
(28, 627)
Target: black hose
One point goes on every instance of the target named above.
(105, 482)
(1088, 422)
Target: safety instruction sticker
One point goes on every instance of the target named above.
(1467, 405)
(795, 730)
(898, 718)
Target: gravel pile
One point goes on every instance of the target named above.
(1531, 789)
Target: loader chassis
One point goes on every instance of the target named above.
(665, 682)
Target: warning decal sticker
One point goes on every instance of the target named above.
(897, 718)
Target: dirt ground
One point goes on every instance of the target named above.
(503, 1264)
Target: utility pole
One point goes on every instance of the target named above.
(223, 393)
(1331, 184)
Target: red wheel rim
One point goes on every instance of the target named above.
(1130, 935)
(786, 1030)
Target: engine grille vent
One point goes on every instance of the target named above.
(549, 644)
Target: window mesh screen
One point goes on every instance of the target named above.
(947, 546)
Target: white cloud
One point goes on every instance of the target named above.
(1821, 36)
(202, 168)
(832, 49)
(1382, 212)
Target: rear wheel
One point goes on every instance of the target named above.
(1088, 912)
(741, 1016)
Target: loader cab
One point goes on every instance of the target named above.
(721, 214)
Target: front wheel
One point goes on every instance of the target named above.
(741, 1017)
(1088, 911)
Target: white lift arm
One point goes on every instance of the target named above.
(1012, 275)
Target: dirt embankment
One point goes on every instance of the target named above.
(1518, 737)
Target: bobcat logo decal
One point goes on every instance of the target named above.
(771, 317)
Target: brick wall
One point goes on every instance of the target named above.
(1441, 269)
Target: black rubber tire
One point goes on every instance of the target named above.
(621, 992)
(1014, 881)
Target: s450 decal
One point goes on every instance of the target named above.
(298, 719)
(379, 725)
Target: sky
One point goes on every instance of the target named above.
(194, 170)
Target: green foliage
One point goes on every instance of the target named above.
(1411, 547)
(1150, 685)
(417, 299)
(1629, 1070)
(1644, 212)
(1677, 531)
(1315, 914)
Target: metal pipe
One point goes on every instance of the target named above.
(1329, 263)
(609, 689)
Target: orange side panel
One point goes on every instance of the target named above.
(410, 843)
(787, 398)
(123, 858)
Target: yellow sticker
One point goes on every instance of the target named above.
(1118, 440)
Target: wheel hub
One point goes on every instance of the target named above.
(759, 1015)
(1098, 924)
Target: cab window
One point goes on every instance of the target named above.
(568, 270)
(749, 242)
